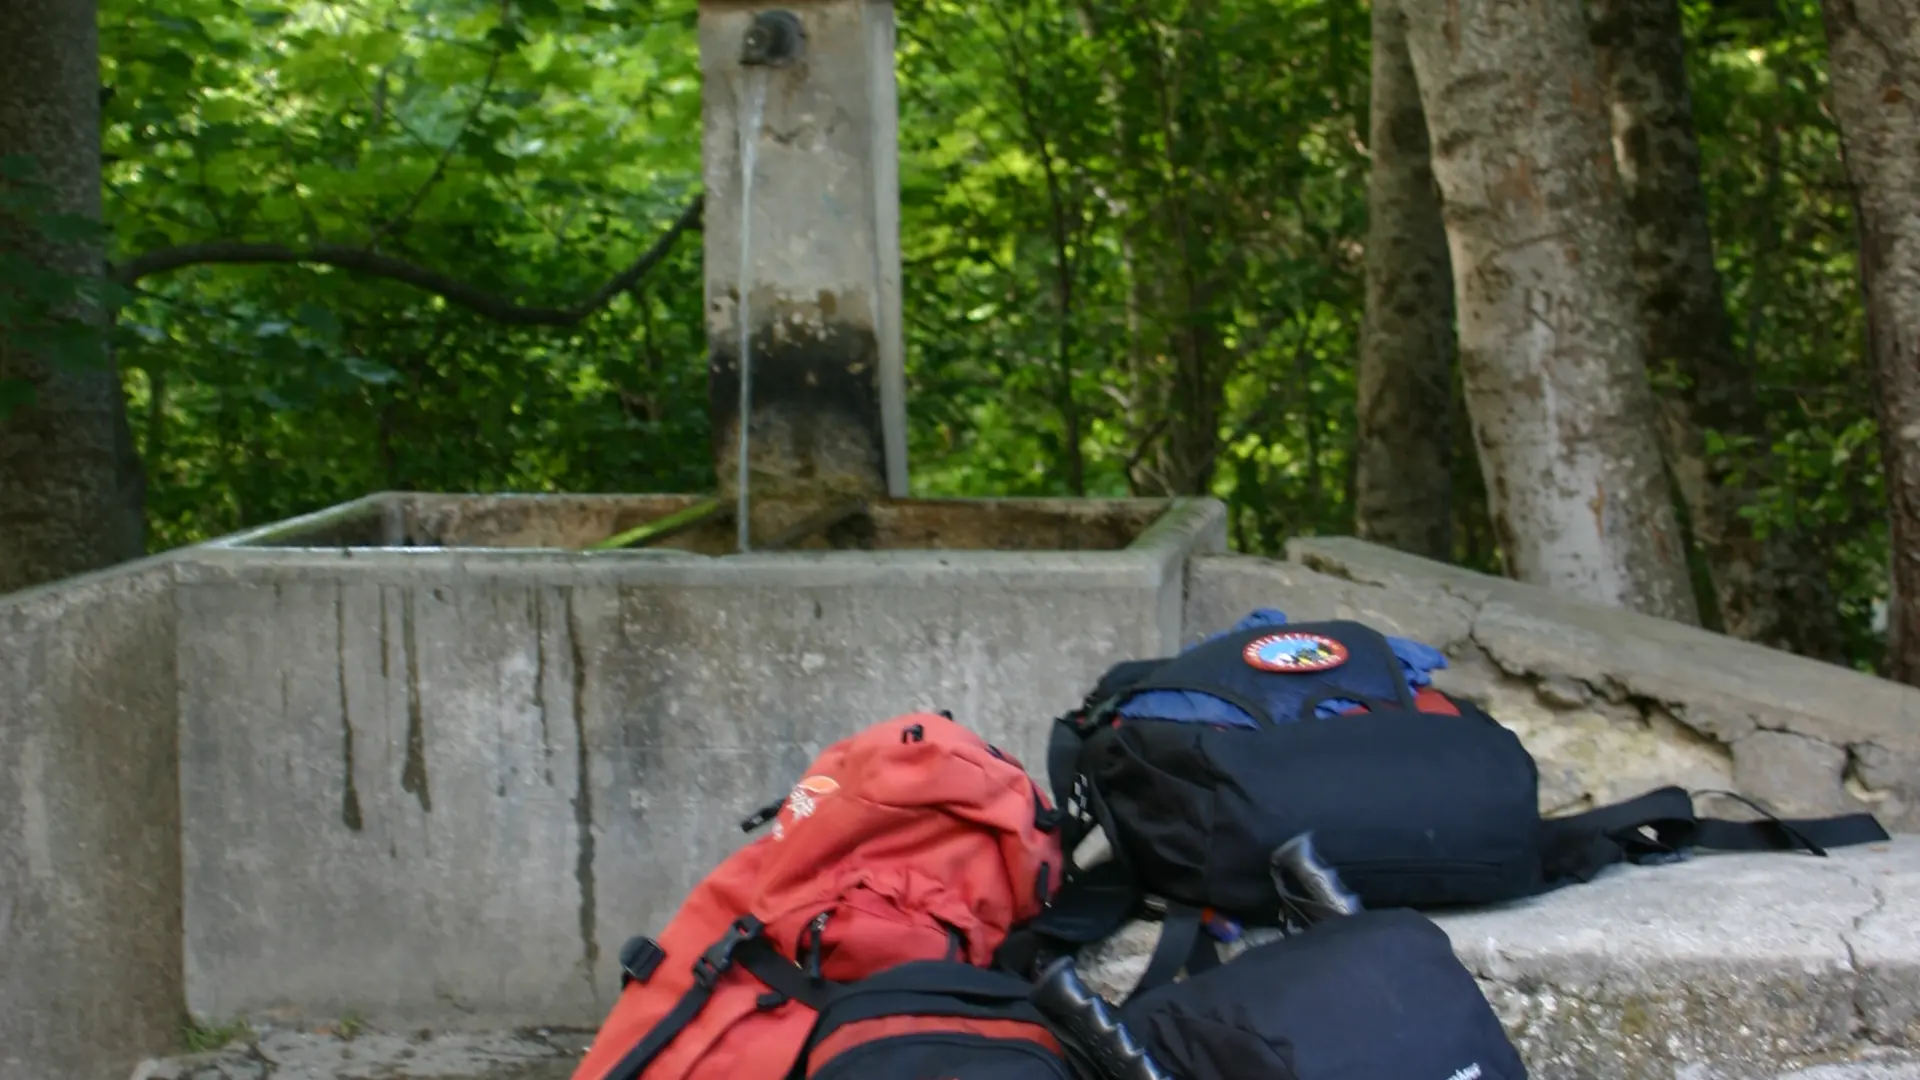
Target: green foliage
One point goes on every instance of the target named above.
(1132, 235)
(1783, 227)
(1138, 223)
(531, 150)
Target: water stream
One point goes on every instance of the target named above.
(754, 105)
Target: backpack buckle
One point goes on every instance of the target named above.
(1092, 715)
(639, 959)
(719, 957)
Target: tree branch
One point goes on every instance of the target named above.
(374, 264)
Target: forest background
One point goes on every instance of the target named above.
(1151, 247)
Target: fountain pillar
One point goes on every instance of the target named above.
(822, 279)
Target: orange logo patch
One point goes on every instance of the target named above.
(804, 799)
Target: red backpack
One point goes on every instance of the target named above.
(912, 840)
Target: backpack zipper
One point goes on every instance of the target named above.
(809, 947)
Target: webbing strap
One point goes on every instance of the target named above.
(1577, 847)
(742, 946)
(1093, 907)
(668, 1029)
(1063, 761)
(785, 977)
(1183, 944)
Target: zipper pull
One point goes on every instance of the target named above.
(815, 931)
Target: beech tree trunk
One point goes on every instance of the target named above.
(1874, 69)
(1404, 469)
(1550, 351)
(70, 495)
(1772, 591)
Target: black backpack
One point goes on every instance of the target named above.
(1198, 766)
(931, 1019)
(1373, 996)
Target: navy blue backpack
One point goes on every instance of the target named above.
(1198, 766)
(1377, 995)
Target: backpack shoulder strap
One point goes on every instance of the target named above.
(1183, 946)
(1092, 907)
(1660, 826)
(1102, 901)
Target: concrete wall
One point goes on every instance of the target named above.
(89, 827)
(444, 787)
(1610, 702)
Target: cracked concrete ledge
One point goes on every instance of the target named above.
(1725, 967)
(1611, 702)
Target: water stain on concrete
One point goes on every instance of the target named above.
(413, 776)
(350, 797)
(583, 805)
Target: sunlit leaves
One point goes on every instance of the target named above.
(529, 148)
(1209, 177)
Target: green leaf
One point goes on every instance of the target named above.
(320, 320)
(369, 371)
(174, 62)
(539, 55)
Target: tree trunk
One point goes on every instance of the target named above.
(70, 494)
(1874, 66)
(1404, 467)
(1556, 382)
(1772, 591)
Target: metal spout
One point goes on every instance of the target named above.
(774, 40)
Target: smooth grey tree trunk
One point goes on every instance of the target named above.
(1874, 69)
(1404, 469)
(1772, 590)
(1550, 348)
(70, 496)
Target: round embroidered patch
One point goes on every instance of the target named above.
(803, 800)
(1295, 653)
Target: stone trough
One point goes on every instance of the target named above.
(395, 745)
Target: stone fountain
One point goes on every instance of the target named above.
(425, 760)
